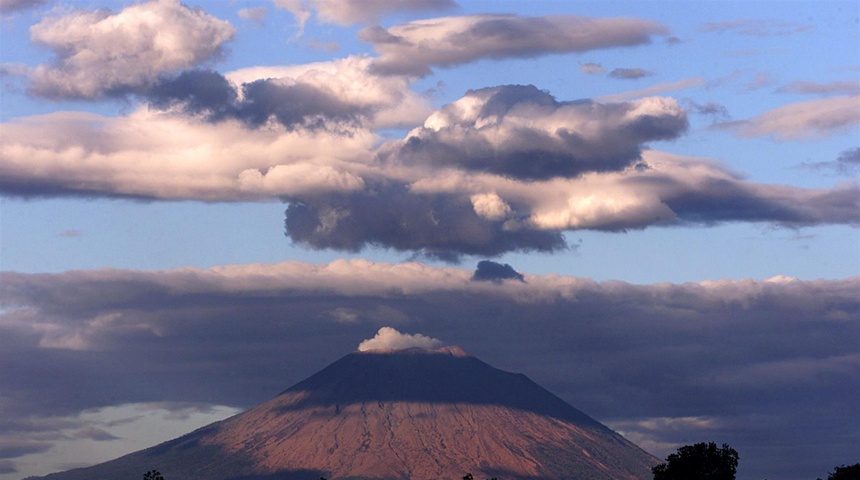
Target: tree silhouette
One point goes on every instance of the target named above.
(850, 472)
(702, 461)
(153, 475)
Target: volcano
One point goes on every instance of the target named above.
(405, 414)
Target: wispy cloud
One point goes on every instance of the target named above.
(847, 164)
(816, 88)
(810, 119)
(761, 28)
(416, 47)
(654, 89)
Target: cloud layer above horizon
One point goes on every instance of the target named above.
(778, 353)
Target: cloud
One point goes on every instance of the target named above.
(629, 73)
(7, 466)
(348, 12)
(149, 154)
(525, 133)
(759, 28)
(489, 271)
(847, 163)
(95, 434)
(388, 338)
(441, 225)
(337, 95)
(299, 10)
(503, 169)
(10, 6)
(12, 448)
(101, 53)
(413, 48)
(256, 14)
(592, 68)
(654, 89)
(756, 362)
(806, 120)
(816, 88)
(72, 233)
(710, 109)
(759, 81)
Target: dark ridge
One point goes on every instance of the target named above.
(407, 376)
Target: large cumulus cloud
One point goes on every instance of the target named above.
(765, 365)
(102, 53)
(502, 169)
(415, 47)
(525, 133)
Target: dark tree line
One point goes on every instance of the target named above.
(702, 461)
(849, 472)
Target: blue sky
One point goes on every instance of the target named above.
(698, 144)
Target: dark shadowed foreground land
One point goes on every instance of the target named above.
(409, 414)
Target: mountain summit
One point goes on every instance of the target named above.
(396, 414)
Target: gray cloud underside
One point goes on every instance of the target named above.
(413, 48)
(759, 361)
(210, 95)
(447, 226)
(436, 225)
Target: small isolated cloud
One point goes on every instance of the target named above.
(815, 88)
(592, 68)
(709, 109)
(388, 338)
(760, 28)
(72, 233)
(9, 6)
(256, 14)
(629, 73)
(413, 48)
(847, 163)
(101, 53)
(654, 89)
(759, 81)
(849, 160)
(811, 119)
(95, 434)
(489, 271)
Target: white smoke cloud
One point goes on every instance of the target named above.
(388, 338)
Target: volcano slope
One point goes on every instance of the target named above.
(408, 414)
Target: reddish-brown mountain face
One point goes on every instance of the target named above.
(411, 414)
